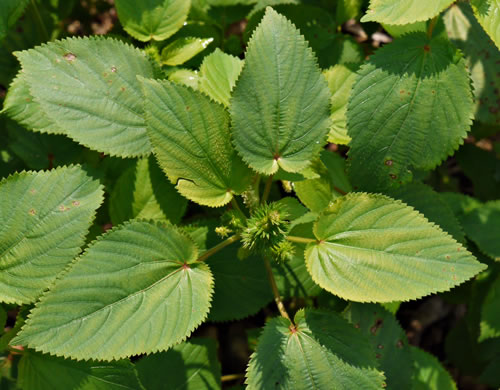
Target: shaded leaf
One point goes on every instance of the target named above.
(488, 14)
(152, 19)
(10, 11)
(192, 365)
(490, 315)
(403, 97)
(429, 373)
(45, 372)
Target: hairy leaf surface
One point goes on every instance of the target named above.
(488, 14)
(191, 139)
(192, 365)
(137, 289)
(93, 93)
(46, 372)
(45, 217)
(152, 19)
(404, 97)
(280, 105)
(322, 351)
(218, 74)
(372, 248)
(404, 12)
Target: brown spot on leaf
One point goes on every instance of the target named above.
(69, 57)
(32, 212)
(378, 324)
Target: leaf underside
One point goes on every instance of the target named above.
(191, 139)
(372, 248)
(45, 217)
(137, 289)
(404, 96)
(280, 105)
(94, 95)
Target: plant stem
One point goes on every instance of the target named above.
(432, 24)
(236, 206)
(218, 247)
(276, 293)
(300, 240)
(267, 189)
(231, 377)
(339, 190)
(40, 21)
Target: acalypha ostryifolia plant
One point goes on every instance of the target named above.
(279, 215)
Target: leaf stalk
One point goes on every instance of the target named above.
(218, 247)
(276, 293)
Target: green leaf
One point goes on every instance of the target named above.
(280, 105)
(142, 192)
(45, 217)
(340, 81)
(45, 372)
(487, 13)
(490, 352)
(218, 74)
(20, 106)
(404, 12)
(183, 49)
(428, 202)
(192, 365)
(400, 30)
(348, 9)
(403, 97)
(388, 341)
(490, 315)
(191, 139)
(429, 373)
(136, 289)
(482, 58)
(10, 11)
(482, 225)
(372, 248)
(186, 77)
(93, 93)
(152, 19)
(322, 351)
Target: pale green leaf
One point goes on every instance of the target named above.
(218, 74)
(10, 11)
(372, 248)
(20, 106)
(280, 105)
(388, 339)
(340, 81)
(490, 313)
(143, 192)
(488, 14)
(191, 139)
(45, 372)
(137, 289)
(403, 98)
(93, 93)
(183, 49)
(45, 217)
(322, 351)
(429, 373)
(482, 58)
(404, 12)
(152, 19)
(192, 365)
(186, 77)
(428, 202)
(482, 225)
